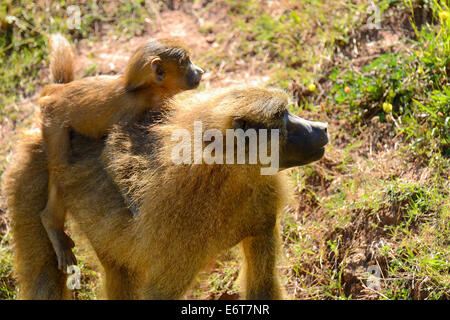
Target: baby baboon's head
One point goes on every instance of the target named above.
(165, 63)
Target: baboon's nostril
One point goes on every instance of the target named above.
(324, 126)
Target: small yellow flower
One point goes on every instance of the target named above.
(347, 90)
(312, 87)
(387, 107)
(443, 15)
(420, 70)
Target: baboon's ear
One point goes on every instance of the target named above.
(239, 123)
(158, 69)
(155, 62)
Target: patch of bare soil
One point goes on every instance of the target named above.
(111, 55)
(388, 35)
(183, 20)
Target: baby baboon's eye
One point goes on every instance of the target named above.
(185, 61)
(160, 70)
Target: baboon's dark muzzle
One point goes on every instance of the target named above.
(305, 141)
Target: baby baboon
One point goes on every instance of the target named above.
(188, 213)
(155, 72)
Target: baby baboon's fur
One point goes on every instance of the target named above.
(188, 213)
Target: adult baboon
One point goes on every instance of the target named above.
(187, 212)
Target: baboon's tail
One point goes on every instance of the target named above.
(25, 188)
(61, 59)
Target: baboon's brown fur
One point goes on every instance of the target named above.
(188, 213)
(155, 72)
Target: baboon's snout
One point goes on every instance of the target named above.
(310, 134)
(319, 134)
(305, 141)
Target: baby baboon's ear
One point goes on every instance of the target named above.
(158, 69)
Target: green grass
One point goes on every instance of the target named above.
(414, 82)
(7, 283)
(423, 254)
(410, 219)
(220, 278)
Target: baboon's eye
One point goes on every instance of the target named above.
(280, 115)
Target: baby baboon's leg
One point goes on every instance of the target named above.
(260, 278)
(54, 214)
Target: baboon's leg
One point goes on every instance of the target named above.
(171, 283)
(260, 277)
(54, 214)
(35, 262)
(120, 284)
(50, 284)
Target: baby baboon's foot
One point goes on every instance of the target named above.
(65, 260)
(63, 249)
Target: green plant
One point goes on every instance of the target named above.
(414, 82)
